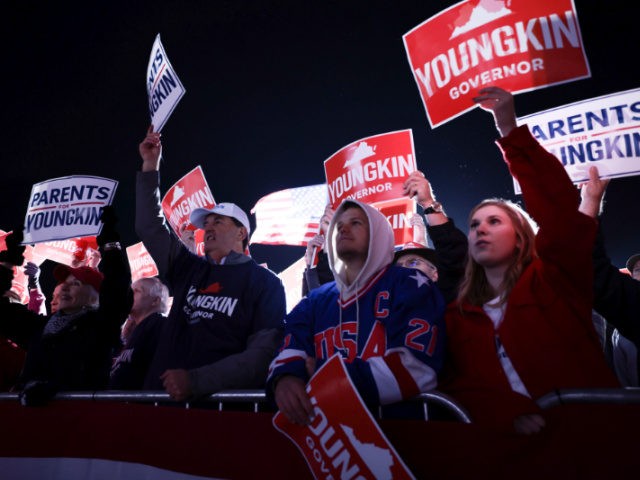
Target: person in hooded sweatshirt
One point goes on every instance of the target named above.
(385, 321)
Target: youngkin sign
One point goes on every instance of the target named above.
(72, 251)
(187, 194)
(163, 86)
(602, 131)
(518, 45)
(371, 169)
(343, 440)
(141, 263)
(398, 212)
(67, 207)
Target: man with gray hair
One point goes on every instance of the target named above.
(226, 320)
(140, 334)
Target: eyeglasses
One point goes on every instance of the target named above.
(415, 262)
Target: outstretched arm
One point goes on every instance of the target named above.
(151, 151)
(418, 187)
(592, 194)
(500, 103)
(449, 242)
(150, 223)
(36, 297)
(565, 239)
(116, 296)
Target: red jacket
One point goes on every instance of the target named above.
(547, 329)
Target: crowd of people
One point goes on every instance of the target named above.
(526, 303)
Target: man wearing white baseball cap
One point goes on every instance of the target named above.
(226, 226)
(227, 316)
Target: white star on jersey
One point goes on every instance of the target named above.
(420, 279)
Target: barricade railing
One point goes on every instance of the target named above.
(255, 398)
(627, 396)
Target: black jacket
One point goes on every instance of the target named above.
(616, 295)
(451, 246)
(131, 366)
(79, 356)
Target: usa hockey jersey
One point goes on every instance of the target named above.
(388, 325)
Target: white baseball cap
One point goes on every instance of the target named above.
(198, 215)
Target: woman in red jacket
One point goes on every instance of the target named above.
(521, 326)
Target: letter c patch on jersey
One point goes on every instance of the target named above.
(380, 311)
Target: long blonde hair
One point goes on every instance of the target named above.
(475, 288)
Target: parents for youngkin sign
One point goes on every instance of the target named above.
(602, 131)
(67, 207)
(164, 88)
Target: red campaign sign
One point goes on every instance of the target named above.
(343, 440)
(371, 169)
(198, 237)
(399, 212)
(69, 251)
(518, 45)
(187, 194)
(141, 263)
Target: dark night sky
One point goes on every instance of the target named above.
(273, 88)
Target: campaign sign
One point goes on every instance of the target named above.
(371, 169)
(602, 132)
(343, 440)
(198, 237)
(67, 207)
(141, 263)
(163, 86)
(518, 45)
(399, 212)
(187, 194)
(59, 251)
(71, 252)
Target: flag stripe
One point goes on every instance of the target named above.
(289, 217)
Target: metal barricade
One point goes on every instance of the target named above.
(615, 396)
(255, 398)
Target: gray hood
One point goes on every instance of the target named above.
(380, 249)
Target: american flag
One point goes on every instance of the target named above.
(289, 217)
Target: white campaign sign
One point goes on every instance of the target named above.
(67, 207)
(163, 86)
(602, 131)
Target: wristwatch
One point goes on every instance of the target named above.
(435, 207)
(112, 246)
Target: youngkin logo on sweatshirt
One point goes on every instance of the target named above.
(204, 302)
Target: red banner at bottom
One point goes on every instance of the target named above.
(343, 440)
